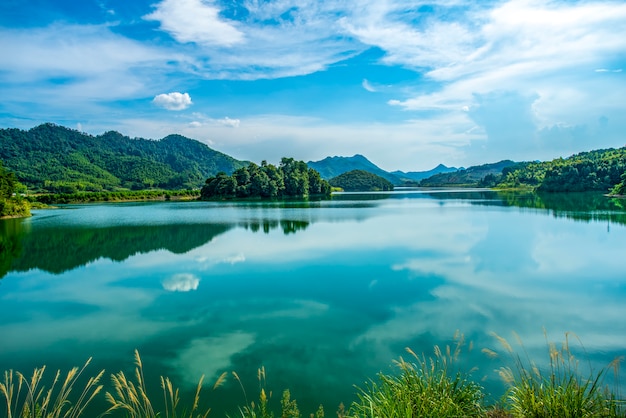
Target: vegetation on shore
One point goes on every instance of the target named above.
(290, 179)
(11, 203)
(599, 170)
(426, 386)
(112, 196)
(360, 181)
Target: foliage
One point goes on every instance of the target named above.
(290, 179)
(361, 181)
(426, 388)
(560, 390)
(620, 188)
(600, 170)
(469, 177)
(112, 196)
(29, 398)
(11, 204)
(61, 160)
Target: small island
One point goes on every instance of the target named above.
(291, 179)
(361, 181)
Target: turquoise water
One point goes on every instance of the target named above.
(323, 294)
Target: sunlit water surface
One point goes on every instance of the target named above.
(322, 294)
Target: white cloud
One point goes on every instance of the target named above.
(182, 282)
(173, 101)
(195, 21)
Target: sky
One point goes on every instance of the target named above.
(409, 84)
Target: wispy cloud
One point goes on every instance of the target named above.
(368, 86)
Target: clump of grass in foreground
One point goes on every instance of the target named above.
(133, 400)
(289, 407)
(559, 391)
(427, 387)
(29, 398)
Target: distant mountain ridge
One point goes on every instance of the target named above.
(468, 176)
(331, 167)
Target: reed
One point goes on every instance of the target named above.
(426, 387)
(562, 388)
(29, 398)
(133, 400)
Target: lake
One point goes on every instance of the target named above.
(322, 294)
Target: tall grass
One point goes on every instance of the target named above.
(288, 406)
(562, 389)
(427, 387)
(424, 386)
(132, 397)
(29, 398)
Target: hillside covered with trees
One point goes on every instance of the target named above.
(61, 160)
(468, 177)
(600, 170)
(290, 179)
(360, 181)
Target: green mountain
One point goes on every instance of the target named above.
(331, 167)
(360, 181)
(471, 176)
(58, 159)
(599, 170)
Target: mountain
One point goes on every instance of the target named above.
(421, 175)
(58, 159)
(331, 167)
(470, 176)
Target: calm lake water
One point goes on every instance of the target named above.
(323, 294)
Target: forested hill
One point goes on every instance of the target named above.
(360, 181)
(331, 167)
(471, 176)
(58, 159)
(599, 170)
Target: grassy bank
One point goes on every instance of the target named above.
(113, 196)
(424, 386)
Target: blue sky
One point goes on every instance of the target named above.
(407, 83)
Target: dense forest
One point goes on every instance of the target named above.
(56, 159)
(290, 179)
(360, 181)
(11, 204)
(600, 170)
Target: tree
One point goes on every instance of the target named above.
(291, 179)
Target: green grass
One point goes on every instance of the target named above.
(563, 389)
(424, 386)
